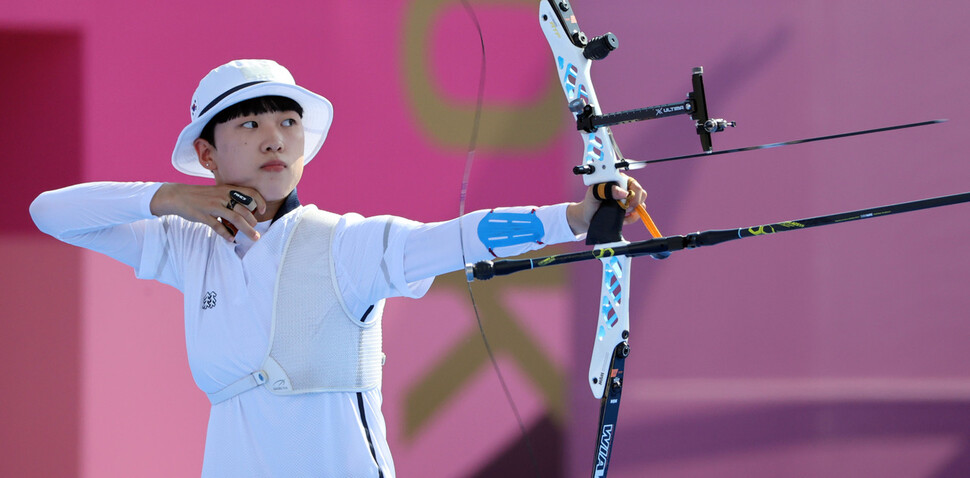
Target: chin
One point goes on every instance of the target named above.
(275, 192)
(274, 195)
(275, 188)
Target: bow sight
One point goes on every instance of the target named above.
(695, 105)
(587, 118)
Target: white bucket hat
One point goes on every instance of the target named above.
(241, 80)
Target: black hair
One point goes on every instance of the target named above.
(252, 106)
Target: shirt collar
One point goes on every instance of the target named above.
(290, 203)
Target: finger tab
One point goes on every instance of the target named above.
(236, 197)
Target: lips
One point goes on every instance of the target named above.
(274, 165)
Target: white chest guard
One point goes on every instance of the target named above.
(315, 344)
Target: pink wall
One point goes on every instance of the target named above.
(839, 351)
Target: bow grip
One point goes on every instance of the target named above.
(607, 222)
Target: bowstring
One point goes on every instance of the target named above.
(472, 145)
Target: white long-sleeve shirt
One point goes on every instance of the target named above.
(228, 299)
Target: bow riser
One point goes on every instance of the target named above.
(599, 148)
(567, 42)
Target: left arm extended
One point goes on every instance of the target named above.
(436, 248)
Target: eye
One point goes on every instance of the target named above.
(289, 122)
(250, 124)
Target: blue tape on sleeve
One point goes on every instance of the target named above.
(499, 229)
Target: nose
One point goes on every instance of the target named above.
(273, 141)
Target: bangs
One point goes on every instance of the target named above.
(257, 106)
(252, 106)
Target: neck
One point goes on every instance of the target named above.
(272, 207)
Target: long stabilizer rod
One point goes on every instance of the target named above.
(487, 269)
(639, 164)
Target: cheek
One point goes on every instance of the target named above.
(298, 141)
(297, 170)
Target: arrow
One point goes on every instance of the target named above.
(640, 164)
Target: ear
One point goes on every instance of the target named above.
(203, 149)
